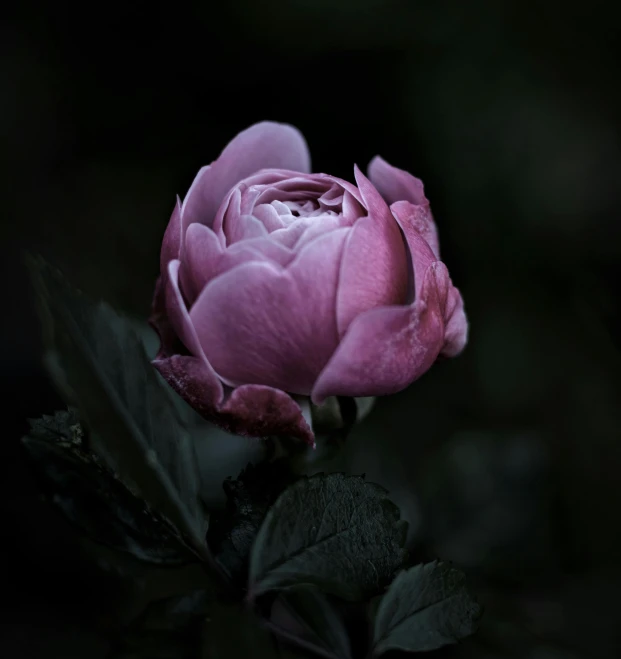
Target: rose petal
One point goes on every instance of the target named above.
(456, 332)
(252, 187)
(259, 411)
(420, 252)
(171, 244)
(266, 249)
(374, 270)
(352, 208)
(262, 146)
(193, 379)
(396, 184)
(242, 228)
(386, 349)
(259, 324)
(417, 218)
(289, 236)
(159, 321)
(347, 187)
(320, 225)
(178, 314)
(201, 260)
(250, 410)
(332, 198)
(269, 216)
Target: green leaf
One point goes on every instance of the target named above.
(233, 530)
(229, 631)
(100, 364)
(425, 608)
(304, 614)
(336, 532)
(90, 496)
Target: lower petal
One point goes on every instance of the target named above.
(258, 411)
(250, 410)
(194, 381)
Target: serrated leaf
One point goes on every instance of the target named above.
(425, 608)
(306, 614)
(90, 496)
(337, 532)
(100, 364)
(249, 496)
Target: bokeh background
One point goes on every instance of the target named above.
(507, 460)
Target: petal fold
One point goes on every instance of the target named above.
(386, 349)
(374, 270)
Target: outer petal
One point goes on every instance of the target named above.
(159, 320)
(456, 333)
(419, 219)
(386, 349)
(251, 410)
(177, 312)
(421, 253)
(396, 184)
(171, 245)
(259, 411)
(374, 270)
(264, 145)
(260, 324)
(203, 252)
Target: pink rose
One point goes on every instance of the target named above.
(277, 284)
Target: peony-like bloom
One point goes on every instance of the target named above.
(277, 283)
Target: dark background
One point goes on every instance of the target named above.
(506, 460)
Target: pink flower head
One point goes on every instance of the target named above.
(277, 283)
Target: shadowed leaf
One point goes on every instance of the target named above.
(426, 607)
(100, 365)
(336, 532)
(90, 496)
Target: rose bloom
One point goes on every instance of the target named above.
(278, 284)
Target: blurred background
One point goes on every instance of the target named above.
(506, 460)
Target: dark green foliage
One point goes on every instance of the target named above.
(92, 498)
(100, 364)
(426, 607)
(337, 532)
